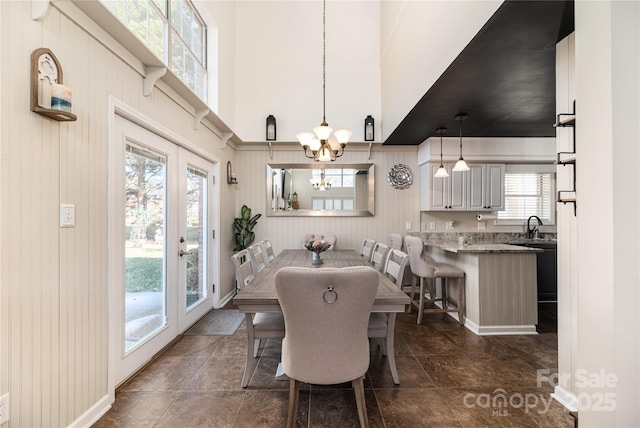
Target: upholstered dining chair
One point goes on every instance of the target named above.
(257, 257)
(331, 239)
(260, 325)
(428, 271)
(317, 348)
(267, 251)
(379, 255)
(379, 323)
(366, 249)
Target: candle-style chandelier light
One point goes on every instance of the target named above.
(319, 145)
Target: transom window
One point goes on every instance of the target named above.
(174, 31)
(339, 177)
(528, 190)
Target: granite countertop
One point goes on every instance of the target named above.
(483, 247)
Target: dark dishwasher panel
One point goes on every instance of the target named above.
(547, 270)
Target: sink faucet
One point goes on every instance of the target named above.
(531, 233)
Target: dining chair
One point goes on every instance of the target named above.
(366, 249)
(267, 251)
(257, 257)
(261, 325)
(381, 324)
(428, 271)
(331, 239)
(379, 255)
(317, 348)
(397, 242)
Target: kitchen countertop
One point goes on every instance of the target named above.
(483, 247)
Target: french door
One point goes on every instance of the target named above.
(162, 244)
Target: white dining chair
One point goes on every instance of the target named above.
(379, 255)
(257, 257)
(267, 251)
(366, 249)
(317, 348)
(261, 325)
(381, 324)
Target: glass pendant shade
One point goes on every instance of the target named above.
(460, 166)
(322, 132)
(305, 138)
(342, 135)
(441, 172)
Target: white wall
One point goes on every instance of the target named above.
(279, 66)
(392, 207)
(421, 39)
(53, 281)
(608, 139)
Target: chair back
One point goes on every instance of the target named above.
(366, 250)
(326, 316)
(395, 267)
(257, 257)
(267, 251)
(379, 256)
(396, 241)
(420, 264)
(331, 239)
(243, 267)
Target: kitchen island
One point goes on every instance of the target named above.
(500, 285)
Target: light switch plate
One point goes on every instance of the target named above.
(482, 225)
(449, 225)
(67, 215)
(432, 225)
(407, 225)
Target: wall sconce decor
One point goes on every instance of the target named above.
(271, 128)
(232, 178)
(369, 130)
(49, 97)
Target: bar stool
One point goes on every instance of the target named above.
(428, 271)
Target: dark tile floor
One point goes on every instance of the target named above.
(449, 377)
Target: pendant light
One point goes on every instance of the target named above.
(461, 165)
(318, 145)
(441, 172)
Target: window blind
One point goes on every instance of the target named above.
(527, 194)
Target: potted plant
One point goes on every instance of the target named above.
(243, 226)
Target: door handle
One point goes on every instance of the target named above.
(183, 253)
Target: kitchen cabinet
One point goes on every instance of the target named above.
(485, 187)
(442, 194)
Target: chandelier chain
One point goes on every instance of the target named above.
(324, 60)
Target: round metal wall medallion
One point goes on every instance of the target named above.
(400, 176)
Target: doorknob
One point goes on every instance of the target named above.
(183, 253)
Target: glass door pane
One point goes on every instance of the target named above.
(196, 219)
(144, 247)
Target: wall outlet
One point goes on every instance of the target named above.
(407, 225)
(432, 225)
(423, 226)
(4, 408)
(482, 225)
(449, 225)
(67, 215)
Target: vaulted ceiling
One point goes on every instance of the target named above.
(504, 79)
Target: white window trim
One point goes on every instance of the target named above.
(537, 169)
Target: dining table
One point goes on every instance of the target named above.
(260, 294)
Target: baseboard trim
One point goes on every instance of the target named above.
(93, 414)
(566, 398)
(499, 330)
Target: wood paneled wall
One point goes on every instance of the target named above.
(54, 281)
(393, 208)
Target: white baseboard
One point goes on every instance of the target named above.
(566, 398)
(226, 299)
(498, 330)
(94, 413)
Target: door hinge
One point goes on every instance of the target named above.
(213, 288)
(213, 179)
(213, 234)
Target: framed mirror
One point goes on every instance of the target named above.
(341, 190)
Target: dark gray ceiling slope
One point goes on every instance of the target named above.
(504, 80)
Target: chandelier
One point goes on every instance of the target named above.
(319, 145)
(321, 183)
